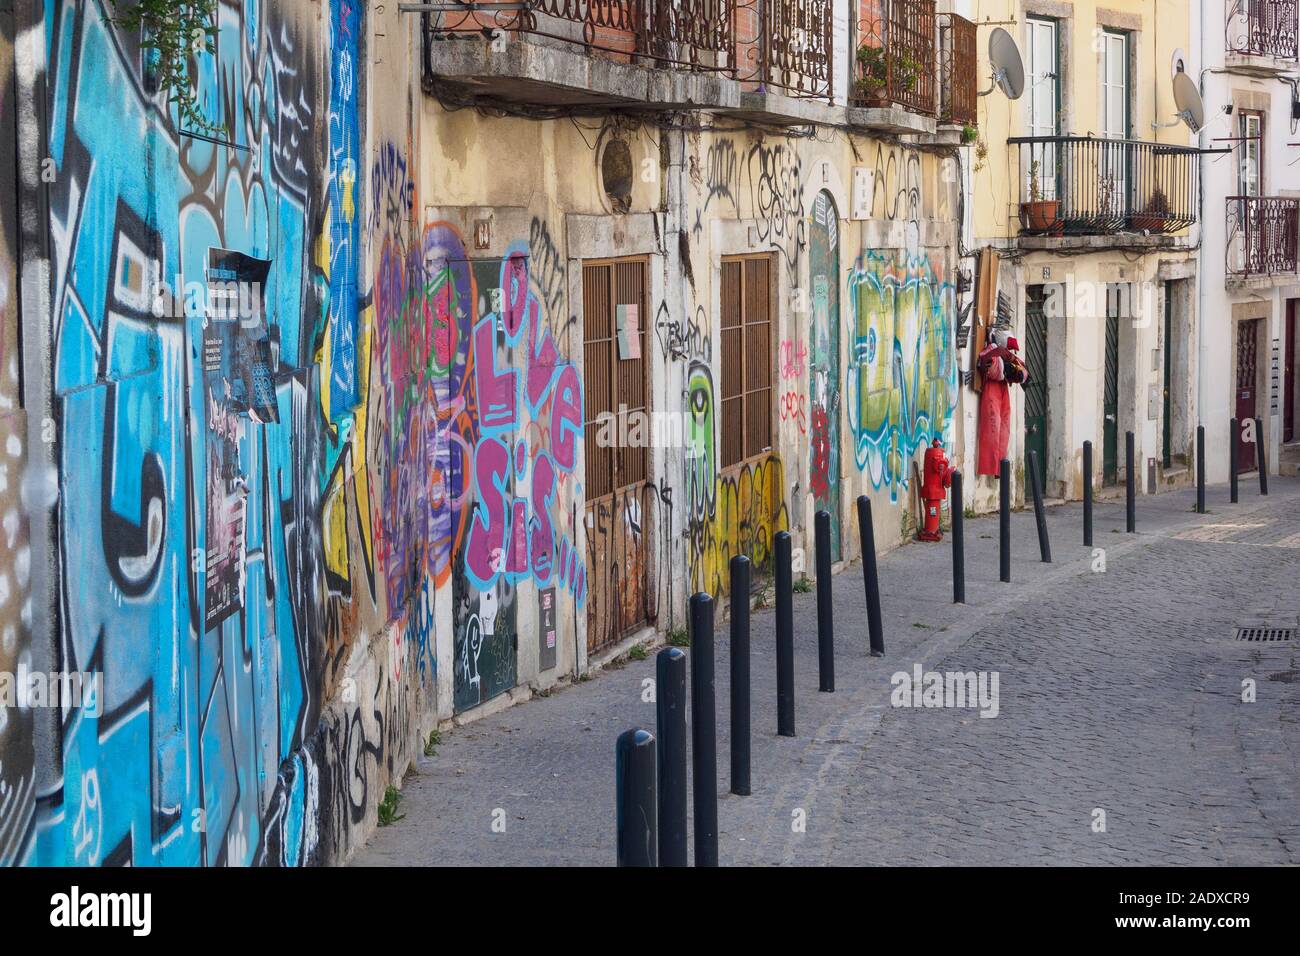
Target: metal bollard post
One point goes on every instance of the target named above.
(784, 636)
(1087, 494)
(704, 732)
(870, 576)
(670, 721)
(825, 606)
(1130, 485)
(1004, 521)
(958, 542)
(740, 733)
(1234, 452)
(634, 782)
(1200, 469)
(1261, 456)
(1040, 516)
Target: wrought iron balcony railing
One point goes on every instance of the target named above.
(1085, 185)
(1264, 28)
(684, 34)
(958, 62)
(895, 58)
(1262, 236)
(786, 44)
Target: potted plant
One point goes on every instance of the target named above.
(1152, 219)
(872, 84)
(1039, 214)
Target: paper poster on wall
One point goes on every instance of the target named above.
(547, 631)
(628, 323)
(238, 383)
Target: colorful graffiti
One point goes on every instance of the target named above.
(902, 374)
(202, 456)
(824, 377)
(729, 513)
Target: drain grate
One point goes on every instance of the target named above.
(1270, 634)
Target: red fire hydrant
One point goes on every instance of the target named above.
(934, 489)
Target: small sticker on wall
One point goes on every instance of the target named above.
(628, 322)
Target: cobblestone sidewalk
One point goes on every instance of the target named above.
(1119, 693)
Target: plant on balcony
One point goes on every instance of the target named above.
(1153, 217)
(969, 134)
(1039, 214)
(872, 85)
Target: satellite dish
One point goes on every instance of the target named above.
(1008, 67)
(1188, 99)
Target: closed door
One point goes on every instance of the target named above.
(1115, 123)
(1288, 394)
(1110, 397)
(1036, 413)
(1042, 101)
(622, 513)
(1247, 351)
(1167, 449)
(824, 261)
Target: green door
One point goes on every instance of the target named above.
(1036, 387)
(1110, 399)
(824, 381)
(1167, 451)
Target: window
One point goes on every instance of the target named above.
(1114, 121)
(1044, 99)
(1250, 174)
(614, 373)
(747, 359)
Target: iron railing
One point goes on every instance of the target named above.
(687, 34)
(786, 44)
(1262, 235)
(895, 60)
(1264, 28)
(1085, 185)
(958, 66)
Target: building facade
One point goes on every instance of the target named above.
(1252, 197)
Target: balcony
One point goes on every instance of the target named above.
(673, 54)
(1083, 190)
(893, 80)
(1262, 37)
(1262, 238)
(958, 69)
(784, 59)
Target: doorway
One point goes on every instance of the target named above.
(1036, 394)
(1167, 352)
(1247, 385)
(1110, 394)
(824, 380)
(1288, 377)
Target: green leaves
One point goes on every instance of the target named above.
(172, 36)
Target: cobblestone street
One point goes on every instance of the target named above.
(1118, 693)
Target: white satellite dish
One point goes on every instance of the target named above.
(1191, 110)
(1008, 67)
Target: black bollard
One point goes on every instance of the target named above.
(870, 577)
(825, 606)
(1234, 452)
(670, 714)
(1200, 469)
(634, 782)
(1087, 494)
(1004, 521)
(1261, 456)
(784, 636)
(704, 732)
(958, 543)
(1130, 482)
(1040, 516)
(740, 571)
